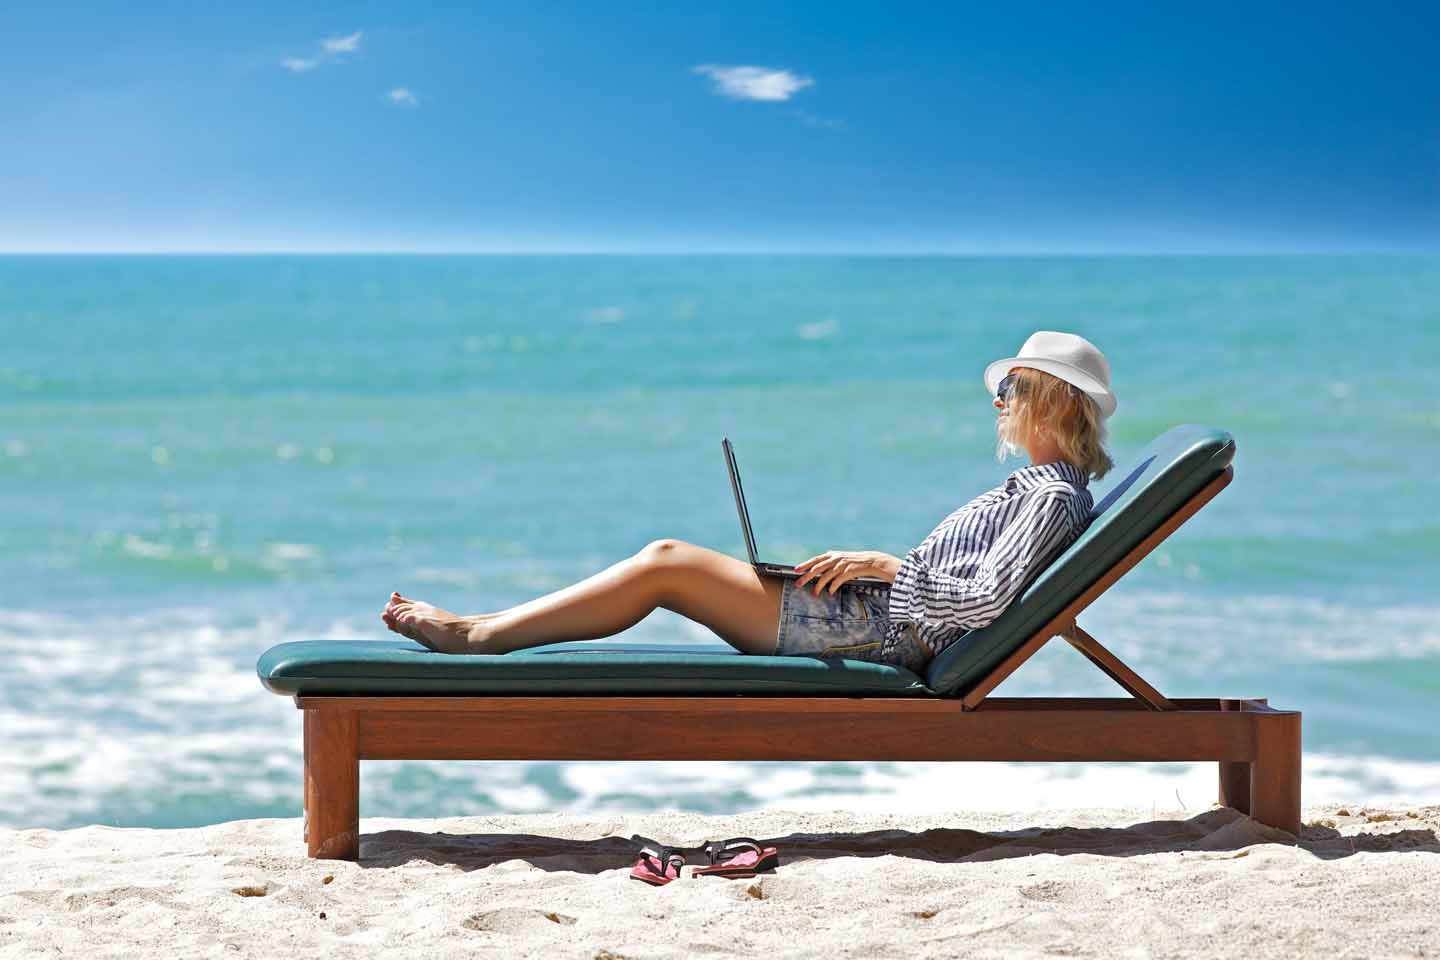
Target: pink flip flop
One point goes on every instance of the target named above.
(738, 858)
(658, 864)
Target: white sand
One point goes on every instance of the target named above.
(1112, 883)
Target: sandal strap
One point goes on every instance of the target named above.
(662, 855)
(721, 851)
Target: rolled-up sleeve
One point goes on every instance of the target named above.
(925, 593)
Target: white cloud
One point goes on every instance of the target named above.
(331, 49)
(754, 83)
(346, 44)
(402, 96)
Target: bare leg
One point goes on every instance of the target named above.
(711, 588)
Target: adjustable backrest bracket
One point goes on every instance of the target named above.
(1114, 668)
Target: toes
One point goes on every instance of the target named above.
(402, 615)
(394, 623)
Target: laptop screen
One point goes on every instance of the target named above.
(740, 507)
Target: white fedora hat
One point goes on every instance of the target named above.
(1068, 356)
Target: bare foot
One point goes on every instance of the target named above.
(430, 626)
(396, 599)
(388, 614)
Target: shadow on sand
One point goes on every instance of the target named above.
(1214, 830)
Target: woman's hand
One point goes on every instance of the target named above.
(834, 567)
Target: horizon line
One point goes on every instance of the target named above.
(581, 252)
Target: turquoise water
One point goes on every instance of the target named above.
(200, 457)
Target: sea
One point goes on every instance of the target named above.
(204, 456)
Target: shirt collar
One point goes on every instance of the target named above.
(1027, 478)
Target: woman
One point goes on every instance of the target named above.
(1051, 399)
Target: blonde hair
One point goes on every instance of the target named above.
(1061, 411)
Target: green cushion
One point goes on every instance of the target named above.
(1141, 497)
(405, 668)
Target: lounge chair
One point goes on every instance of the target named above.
(599, 700)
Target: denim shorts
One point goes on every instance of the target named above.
(851, 624)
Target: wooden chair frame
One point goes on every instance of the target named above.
(1257, 747)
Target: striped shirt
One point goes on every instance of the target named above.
(980, 558)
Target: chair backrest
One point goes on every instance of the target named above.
(1172, 469)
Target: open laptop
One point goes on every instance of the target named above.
(770, 569)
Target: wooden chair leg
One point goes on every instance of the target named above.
(1234, 775)
(305, 775)
(332, 784)
(1235, 786)
(1275, 773)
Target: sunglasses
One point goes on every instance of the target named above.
(1002, 392)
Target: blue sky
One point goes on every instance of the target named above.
(825, 127)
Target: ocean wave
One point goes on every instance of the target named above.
(134, 780)
(191, 548)
(819, 330)
(937, 787)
